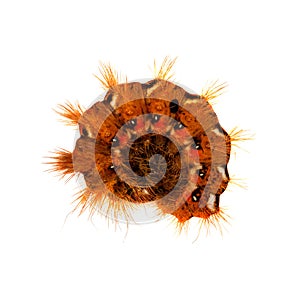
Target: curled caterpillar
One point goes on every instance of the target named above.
(150, 143)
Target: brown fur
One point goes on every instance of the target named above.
(123, 103)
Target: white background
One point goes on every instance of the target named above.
(49, 51)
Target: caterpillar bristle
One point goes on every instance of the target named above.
(120, 208)
(163, 72)
(88, 200)
(71, 113)
(239, 182)
(108, 76)
(93, 201)
(181, 226)
(216, 220)
(206, 223)
(82, 201)
(213, 90)
(238, 135)
(61, 163)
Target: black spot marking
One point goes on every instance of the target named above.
(149, 84)
(174, 106)
(191, 96)
(201, 173)
(197, 144)
(115, 141)
(217, 201)
(108, 97)
(131, 124)
(85, 132)
(196, 195)
(179, 126)
(155, 118)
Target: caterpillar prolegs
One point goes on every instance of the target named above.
(150, 144)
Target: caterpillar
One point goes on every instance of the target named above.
(149, 144)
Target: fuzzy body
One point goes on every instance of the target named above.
(151, 143)
(108, 126)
